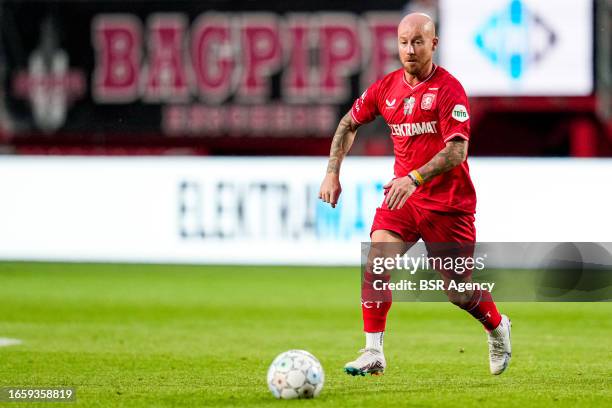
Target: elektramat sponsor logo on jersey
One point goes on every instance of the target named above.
(413, 129)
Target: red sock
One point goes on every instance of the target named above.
(483, 308)
(375, 304)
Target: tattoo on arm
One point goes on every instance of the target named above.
(451, 156)
(341, 143)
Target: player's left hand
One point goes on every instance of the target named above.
(397, 192)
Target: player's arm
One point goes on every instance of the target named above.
(452, 155)
(340, 146)
(364, 110)
(341, 143)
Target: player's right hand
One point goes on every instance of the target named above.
(330, 189)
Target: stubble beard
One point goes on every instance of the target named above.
(418, 69)
(413, 69)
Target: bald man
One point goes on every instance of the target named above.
(431, 196)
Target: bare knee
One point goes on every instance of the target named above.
(383, 235)
(385, 244)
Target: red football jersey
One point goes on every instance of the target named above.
(422, 118)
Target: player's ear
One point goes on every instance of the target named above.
(434, 42)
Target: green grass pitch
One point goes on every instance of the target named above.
(145, 336)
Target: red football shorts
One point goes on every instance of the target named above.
(444, 234)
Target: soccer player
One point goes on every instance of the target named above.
(431, 196)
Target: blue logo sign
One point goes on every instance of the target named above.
(515, 39)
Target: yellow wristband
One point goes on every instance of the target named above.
(418, 177)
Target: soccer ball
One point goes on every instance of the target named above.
(295, 374)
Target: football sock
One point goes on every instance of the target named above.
(483, 308)
(498, 331)
(375, 304)
(374, 341)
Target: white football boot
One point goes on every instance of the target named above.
(370, 361)
(500, 349)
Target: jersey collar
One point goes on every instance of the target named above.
(433, 71)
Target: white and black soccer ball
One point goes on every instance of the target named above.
(295, 374)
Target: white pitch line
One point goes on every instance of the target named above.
(4, 342)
